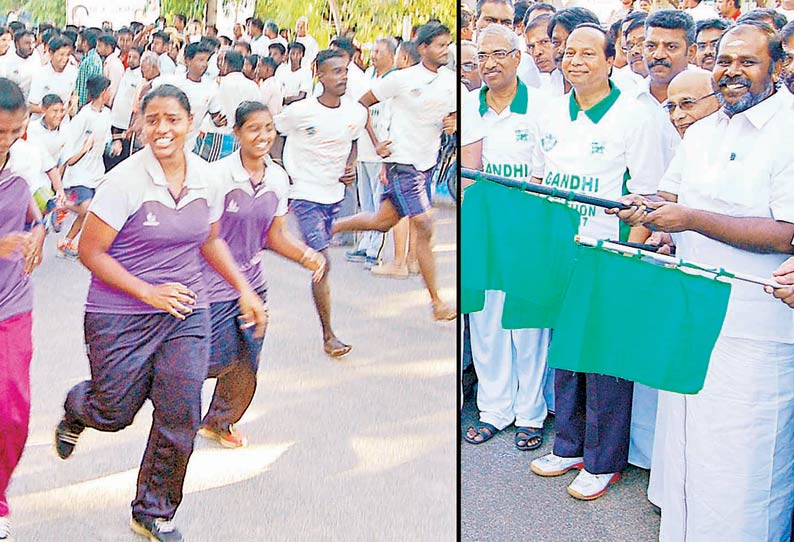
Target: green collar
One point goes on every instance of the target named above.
(597, 112)
(519, 104)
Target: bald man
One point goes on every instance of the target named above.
(690, 97)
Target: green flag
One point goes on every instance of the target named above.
(640, 321)
(521, 244)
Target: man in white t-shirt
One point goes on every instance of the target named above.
(201, 93)
(423, 100)
(302, 36)
(121, 112)
(259, 41)
(319, 156)
(57, 77)
(48, 136)
(593, 141)
(234, 89)
(112, 66)
(160, 42)
(370, 188)
(295, 78)
(272, 35)
(89, 133)
(269, 86)
(23, 64)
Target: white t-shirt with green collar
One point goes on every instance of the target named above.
(615, 147)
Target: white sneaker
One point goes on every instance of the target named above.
(5, 529)
(554, 465)
(587, 487)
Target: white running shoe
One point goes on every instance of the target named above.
(554, 465)
(587, 486)
(5, 529)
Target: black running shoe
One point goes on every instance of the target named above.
(66, 436)
(156, 529)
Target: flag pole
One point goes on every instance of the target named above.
(545, 190)
(675, 262)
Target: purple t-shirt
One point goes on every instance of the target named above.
(159, 236)
(16, 293)
(247, 216)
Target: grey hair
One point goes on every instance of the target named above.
(501, 31)
(391, 44)
(149, 57)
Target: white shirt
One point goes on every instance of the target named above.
(50, 146)
(25, 158)
(48, 81)
(21, 71)
(90, 168)
(594, 152)
(113, 69)
(661, 117)
(294, 82)
(311, 49)
(121, 112)
(740, 166)
(470, 132)
(788, 13)
(702, 11)
(234, 89)
(203, 98)
(319, 140)
(508, 137)
(272, 95)
(259, 45)
(167, 66)
(380, 119)
(528, 72)
(277, 39)
(420, 101)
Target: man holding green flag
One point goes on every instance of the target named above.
(510, 364)
(728, 198)
(599, 142)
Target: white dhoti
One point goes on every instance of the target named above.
(643, 422)
(511, 367)
(729, 450)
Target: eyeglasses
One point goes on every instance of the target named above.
(468, 66)
(496, 55)
(687, 104)
(787, 59)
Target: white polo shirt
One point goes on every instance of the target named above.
(234, 89)
(420, 101)
(318, 144)
(294, 82)
(121, 112)
(48, 81)
(90, 168)
(615, 147)
(509, 136)
(471, 130)
(739, 166)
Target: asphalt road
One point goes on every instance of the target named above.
(502, 500)
(362, 449)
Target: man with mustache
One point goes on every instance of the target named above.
(560, 26)
(728, 196)
(633, 42)
(707, 35)
(539, 46)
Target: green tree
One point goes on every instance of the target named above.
(47, 11)
(369, 19)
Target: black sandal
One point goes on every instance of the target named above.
(484, 429)
(528, 438)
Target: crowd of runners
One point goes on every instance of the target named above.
(683, 112)
(175, 156)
